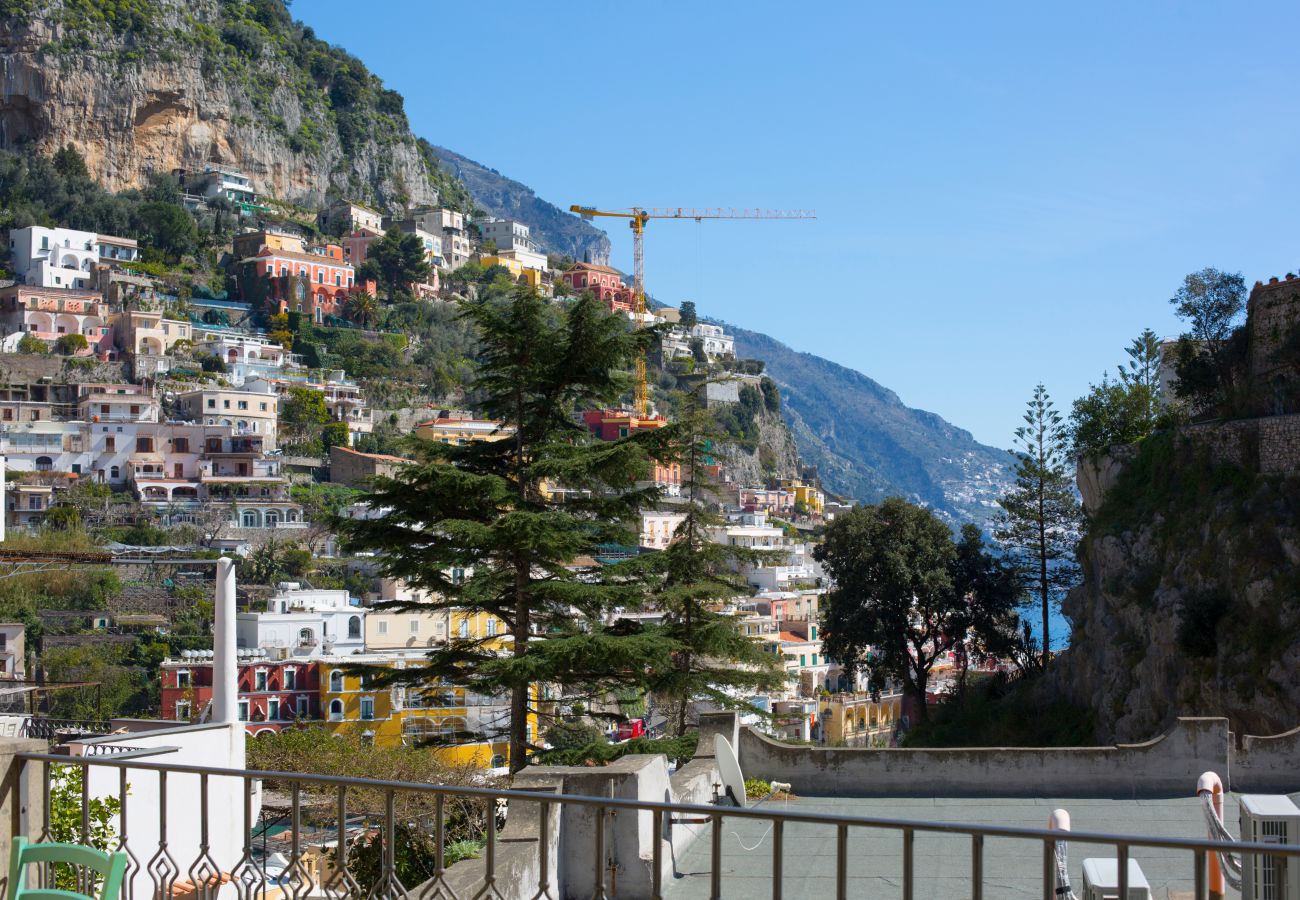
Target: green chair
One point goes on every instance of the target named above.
(110, 866)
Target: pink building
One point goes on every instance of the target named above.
(602, 281)
(50, 313)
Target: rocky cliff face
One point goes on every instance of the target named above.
(1190, 601)
(191, 82)
(775, 457)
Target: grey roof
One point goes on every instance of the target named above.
(942, 862)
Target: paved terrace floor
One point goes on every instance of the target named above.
(1012, 868)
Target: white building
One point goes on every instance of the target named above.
(717, 344)
(658, 528)
(451, 225)
(64, 257)
(303, 622)
(508, 234)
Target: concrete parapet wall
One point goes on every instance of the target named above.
(1267, 764)
(1166, 766)
(518, 869)
(22, 798)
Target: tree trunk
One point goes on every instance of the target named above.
(519, 693)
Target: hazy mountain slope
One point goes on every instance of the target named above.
(867, 444)
(554, 229)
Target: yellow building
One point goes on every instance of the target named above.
(856, 720)
(517, 269)
(812, 497)
(457, 430)
(421, 628)
(397, 716)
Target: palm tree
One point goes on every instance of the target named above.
(362, 308)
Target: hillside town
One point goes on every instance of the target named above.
(922, 516)
(198, 439)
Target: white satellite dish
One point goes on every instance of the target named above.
(729, 770)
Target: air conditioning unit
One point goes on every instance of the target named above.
(1269, 819)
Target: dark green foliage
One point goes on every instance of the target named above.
(35, 190)
(1041, 516)
(335, 434)
(677, 749)
(1123, 411)
(714, 663)
(400, 260)
(771, 395)
(905, 594)
(1211, 303)
(70, 344)
(486, 505)
(30, 343)
(570, 734)
(1000, 712)
(689, 317)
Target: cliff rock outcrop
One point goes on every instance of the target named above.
(157, 85)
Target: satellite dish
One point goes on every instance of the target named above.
(729, 770)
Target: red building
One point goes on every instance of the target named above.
(273, 694)
(602, 281)
(317, 282)
(612, 424)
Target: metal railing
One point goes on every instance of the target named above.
(52, 729)
(388, 807)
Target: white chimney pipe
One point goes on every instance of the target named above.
(225, 663)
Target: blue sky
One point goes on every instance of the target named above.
(1006, 193)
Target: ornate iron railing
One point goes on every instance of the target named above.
(52, 729)
(306, 842)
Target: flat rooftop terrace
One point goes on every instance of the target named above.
(942, 868)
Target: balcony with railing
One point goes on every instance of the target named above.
(910, 823)
(307, 835)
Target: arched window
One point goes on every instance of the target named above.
(336, 710)
(306, 638)
(44, 464)
(114, 472)
(498, 761)
(354, 627)
(250, 518)
(336, 682)
(272, 518)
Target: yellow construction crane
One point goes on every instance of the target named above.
(637, 218)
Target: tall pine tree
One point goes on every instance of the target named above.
(492, 510)
(1041, 516)
(692, 579)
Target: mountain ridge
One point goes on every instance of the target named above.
(892, 448)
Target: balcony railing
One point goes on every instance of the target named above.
(328, 815)
(53, 729)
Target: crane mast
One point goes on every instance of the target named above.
(637, 218)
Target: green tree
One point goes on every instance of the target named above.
(1122, 411)
(491, 508)
(168, 228)
(688, 317)
(302, 414)
(30, 343)
(363, 309)
(1211, 303)
(69, 163)
(714, 661)
(335, 434)
(70, 344)
(400, 260)
(275, 560)
(572, 734)
(904, 594)
(1040, 517)
(65, 807)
